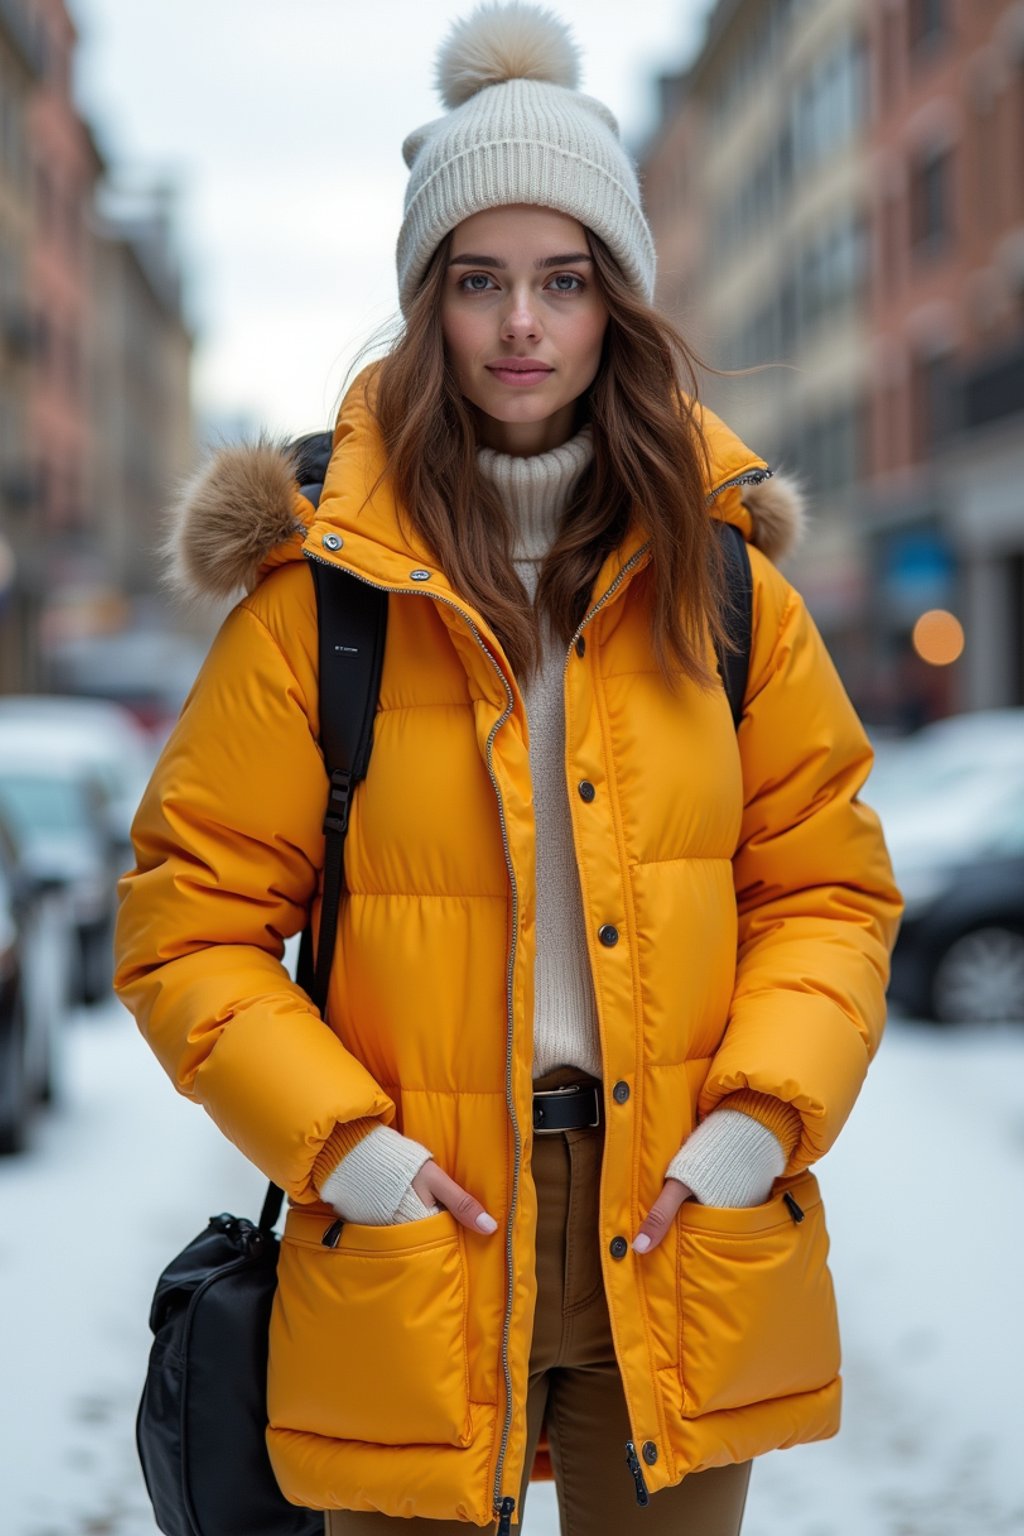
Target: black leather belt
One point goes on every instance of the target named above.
(566, 1109)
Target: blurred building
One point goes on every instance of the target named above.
(20, 71)
(142, 409)
(95, 354)
(945, 491)
(837, 189)
(107, 631)
(65, 168)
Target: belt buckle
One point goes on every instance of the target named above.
(548, 1093)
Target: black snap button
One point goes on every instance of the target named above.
(581, 645)
(587, 790)
(649, 1452)
(619, 1247)
(608, 935)
(620, 1093)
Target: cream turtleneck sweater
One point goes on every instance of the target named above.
(740, 1149)
(534, 490)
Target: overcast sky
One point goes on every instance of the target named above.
(282, 121)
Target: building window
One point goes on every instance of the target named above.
(927, 23)
(42, 340)
(890, 244)
(829, 105)
(890, 54)
(44, 198)
(985, 137)
(833, 270)
(932, 401)
(73, 363)
(930, 218)
(829, 449)
(41, 486)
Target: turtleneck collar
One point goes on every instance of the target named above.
(535, 487)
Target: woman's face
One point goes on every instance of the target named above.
(520, 288)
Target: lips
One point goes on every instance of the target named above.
(516, 374)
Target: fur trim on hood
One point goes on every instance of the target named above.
(227, 518)
(243, 504)
(778, 514)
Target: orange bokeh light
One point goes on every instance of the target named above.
(938, 637)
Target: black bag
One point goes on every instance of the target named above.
(203, 1415)
(202, 1419)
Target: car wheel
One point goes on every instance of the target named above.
(97, 964)
(14, 1090)
(980, 978)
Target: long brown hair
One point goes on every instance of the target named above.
(649, 458)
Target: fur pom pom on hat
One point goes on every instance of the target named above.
(505, 42)
(518, 130)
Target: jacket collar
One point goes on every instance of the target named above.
(381, 545)
(242, 513)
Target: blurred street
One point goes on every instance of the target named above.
(923, 1196)
(836, 195)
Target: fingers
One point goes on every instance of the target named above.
(432, 1183)
(661, 1215)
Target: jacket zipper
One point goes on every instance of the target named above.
(752, 477)
(502, 1507)
(633, 559)
(637, 1474)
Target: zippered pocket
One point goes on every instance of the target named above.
(368, 1338)
(757, 1312)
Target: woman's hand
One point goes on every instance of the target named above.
(432, 1183)
(661, 1215)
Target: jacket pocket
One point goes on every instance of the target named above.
(368, 1339)
(757, 1312)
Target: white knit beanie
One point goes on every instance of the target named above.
(518, 131)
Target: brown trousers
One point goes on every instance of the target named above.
(574, 1377)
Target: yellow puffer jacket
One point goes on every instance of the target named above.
(755, 909)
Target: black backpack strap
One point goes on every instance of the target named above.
(735, 666)
(352, 626)
(352, 619)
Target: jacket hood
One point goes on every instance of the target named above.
(242, 512)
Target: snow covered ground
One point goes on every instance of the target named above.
(924, 1200)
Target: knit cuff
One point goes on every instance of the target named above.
(346, 1135)
(371, 1181)
(730, 1159)
(780, 1118)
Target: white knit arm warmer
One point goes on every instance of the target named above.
(730, 1159)
(372, 1184)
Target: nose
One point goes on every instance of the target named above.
(520, 318)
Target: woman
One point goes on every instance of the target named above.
(609, 972)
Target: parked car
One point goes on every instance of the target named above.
(148, 671)
(959, 957)
(61, 820)
(34, 995)
(950, 799)
(15, 1091)
(96, 734)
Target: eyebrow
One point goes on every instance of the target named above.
(500, 266)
